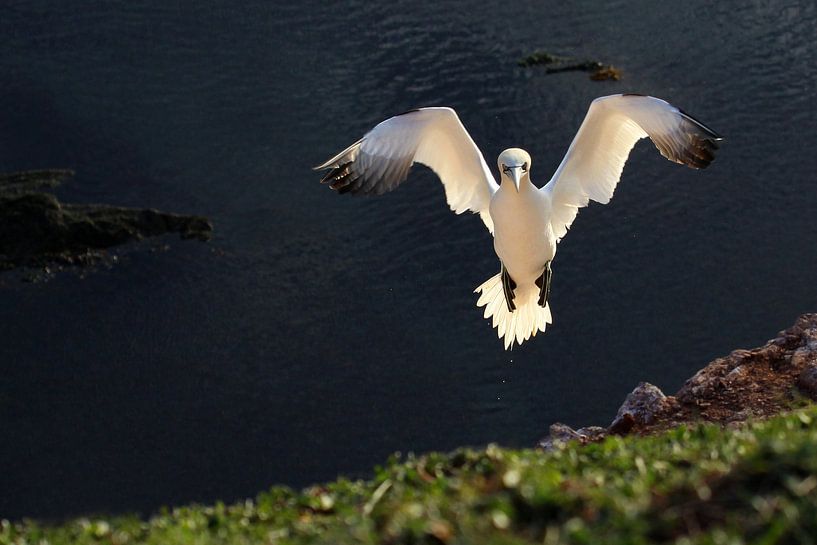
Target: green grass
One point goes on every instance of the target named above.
(703, 485)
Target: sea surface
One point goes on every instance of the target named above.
(316, 333)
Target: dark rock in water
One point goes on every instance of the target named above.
(35, 228)
(538, 57)
(33, 180)
(555, 64)
(755, 383)
(606, 72)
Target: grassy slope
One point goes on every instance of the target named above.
(754, 484)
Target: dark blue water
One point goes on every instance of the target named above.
(316, 334)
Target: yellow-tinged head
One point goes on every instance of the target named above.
(514, 165)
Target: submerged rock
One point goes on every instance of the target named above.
(760, 382)
(556, 63)
(605, 73)
(32, 180)
(35, 228)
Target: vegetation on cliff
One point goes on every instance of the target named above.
(752, 483)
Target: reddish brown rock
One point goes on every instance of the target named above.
(807, 381)
(755, 383)
(642, 407)
(562, 433)
(758, 382)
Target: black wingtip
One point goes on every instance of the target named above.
(328, 176)
(701, 154)
(336, 173)
(709, 131)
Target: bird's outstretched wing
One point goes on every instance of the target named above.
(592, 166)
(435, 137)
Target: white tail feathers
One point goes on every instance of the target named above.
(519, 325)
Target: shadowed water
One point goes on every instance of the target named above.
(316, 334)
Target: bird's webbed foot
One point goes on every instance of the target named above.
(544, 285)
(508, 285)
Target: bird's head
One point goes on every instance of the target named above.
(514, 164)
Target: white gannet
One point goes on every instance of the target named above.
(527, 222)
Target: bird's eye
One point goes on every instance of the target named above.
(506, 169)
(525, 167)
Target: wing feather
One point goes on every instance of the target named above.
(593, 164)
(435, 137)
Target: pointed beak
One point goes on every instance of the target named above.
(516, 176)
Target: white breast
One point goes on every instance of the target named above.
(523, 239)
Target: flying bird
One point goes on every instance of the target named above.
(526, 221)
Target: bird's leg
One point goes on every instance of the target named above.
(544, 285)
(508, 285)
